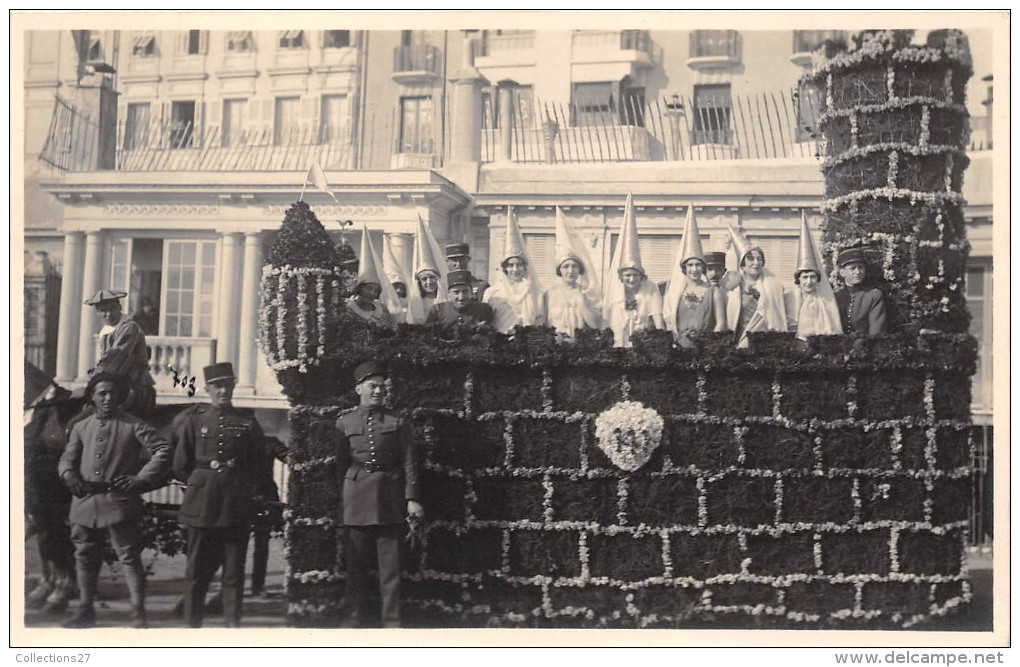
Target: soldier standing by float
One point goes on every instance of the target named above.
(220, 454)
(380, 492)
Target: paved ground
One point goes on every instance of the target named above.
(166, 584)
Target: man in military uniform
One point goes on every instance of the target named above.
(861, 306)
(380, 491)
(461, 310)
(104, 467)
(220, 454)
(457, 259)
(122, 351)
(715, 267)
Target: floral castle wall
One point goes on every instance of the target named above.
(818, 484)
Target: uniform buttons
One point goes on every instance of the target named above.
(98, 473)
(99, 456)
(100, 440)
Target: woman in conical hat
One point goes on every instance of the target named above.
(394, 272)
(815, 304)
(514, 297)
(429, 274)
(573, 303)
(372, 297)
(755, 301)
(692, 303)
(632, 302)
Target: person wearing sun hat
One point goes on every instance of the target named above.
(574, 302)
(755, 301)
(461, 312)
(691, 303)
(123, 352)
(378, 459)
(372, 297)
(632, 302)
(514, 298)
(861, 306)
(815, 306)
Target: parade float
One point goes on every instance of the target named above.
(817, 484)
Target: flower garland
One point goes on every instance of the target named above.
(886, 146)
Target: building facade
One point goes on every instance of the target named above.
(166, 164)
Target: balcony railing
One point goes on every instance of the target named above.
(808, 41)
(186, 356)
(491, 44)
(623, 40)
(417, 58)
(715, 44)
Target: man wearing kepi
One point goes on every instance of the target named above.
(457, 259)
(380, 492)
(462, 310)
(861, 306)
(104, 466)
(220, 453)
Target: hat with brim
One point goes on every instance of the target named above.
(455, 278)
(105, 295)
(715, 259)
(849, 256)
(368, 369)
(457, 250)
(219, 372)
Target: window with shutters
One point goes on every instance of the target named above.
(240, 41)
(333, 119)
(182, 124)
(287, 120)
(193, 42)
(978, 290)
(657, 254)
(542, 251)
(291, 39)
(592, 103)
(120, 265)
(713, 105)
(136, 125)
(336, 39)
(416, 125)
(780, 256)
(143, 45)
(235, 119)
(190, 276)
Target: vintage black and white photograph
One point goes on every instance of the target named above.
(508, 320)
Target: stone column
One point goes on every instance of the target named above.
(226, 327)
(92, 282)
(70, 307)
(466, 126)
(250, 280)
(403, 248)
(506, 119)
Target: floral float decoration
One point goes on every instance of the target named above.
(628, 433)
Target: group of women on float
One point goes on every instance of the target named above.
(748, 299)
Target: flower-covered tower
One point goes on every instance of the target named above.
(896, 127)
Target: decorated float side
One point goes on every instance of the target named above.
(816, 484)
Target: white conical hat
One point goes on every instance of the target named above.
(513, 244)
(807, 257)
(628, 252)
(368, 272)
(570, 245)
(692, 239)
(392, 267)
(740, 243)
(426, 252)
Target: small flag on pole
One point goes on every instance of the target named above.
(317, 178)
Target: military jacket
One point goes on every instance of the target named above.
(102, 449)
(862, 310)
(381, 466)
(449, 318)
(220, 454)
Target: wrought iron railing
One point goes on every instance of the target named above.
(808, 41)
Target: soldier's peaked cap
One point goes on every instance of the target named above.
(715, 258)
(457, 250)
(105, 295)
(219, 372)
(454, 278)
(850, 255)
(367, 369)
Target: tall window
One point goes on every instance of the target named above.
(416, 125)
(809, 107)
(287, 121)
(190, 272)
(194, 42)
(136, 126)
(333, 119)
(182, 124)
(144, 45)
(240, 40)
(120, 265)
(292, 39)
(235, 117)
(336, 39)
(712, 108)
(979, 303)
(592, 103)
